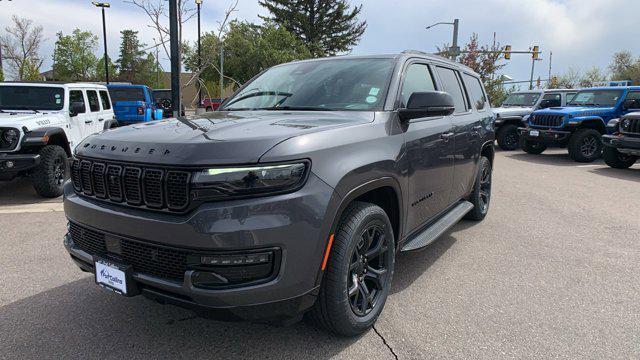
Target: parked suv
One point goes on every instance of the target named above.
(164, 102)
(134, 103)
(520, 104)
(40, 125)
(580, 126)
(622, 147)
(296, 196)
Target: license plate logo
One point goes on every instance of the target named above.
(534, 133)
(110, 277)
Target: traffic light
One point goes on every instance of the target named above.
(507, 52)
(536, 52)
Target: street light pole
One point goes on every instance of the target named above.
(454, 50)
(198, 3)
(104, 5)
(175, 57)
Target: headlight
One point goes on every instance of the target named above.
(626, 123)
(613, 123)
(11, 136)
(239, 182)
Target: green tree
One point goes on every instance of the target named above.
(487, 62)
(100, 74)
(74, 58)
(625, 67)
(134, 65)
(1, 74)
(326, 27)
(248, 49)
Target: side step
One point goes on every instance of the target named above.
(438, 228)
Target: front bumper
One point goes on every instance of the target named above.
(295, 224)
(624, 144)
(13, 164)
(547, 137)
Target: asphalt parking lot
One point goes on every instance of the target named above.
(552, 272)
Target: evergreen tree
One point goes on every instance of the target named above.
(326, 27)
(100, 73)
(134, 65)
(73, 57)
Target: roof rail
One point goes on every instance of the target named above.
(409, 51)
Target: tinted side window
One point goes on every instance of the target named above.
(104, 97)
(94, 105)
(474, 86)
(635, 96)
(452, 86)
(417, 79)
(76, 96)
(552, 100)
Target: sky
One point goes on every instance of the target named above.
(580, 33)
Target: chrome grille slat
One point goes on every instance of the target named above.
(633, 128)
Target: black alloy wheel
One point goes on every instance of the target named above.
(367, 270)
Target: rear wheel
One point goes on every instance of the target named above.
(618, 160)
(49, 176)
(585, 145)
(359, 271)
(507, 137)
(481, 195)
(532, 147)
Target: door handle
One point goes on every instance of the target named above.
(88, 121)
(446, 136)
(476, 130)
(101, 120)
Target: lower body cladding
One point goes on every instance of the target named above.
(546, 137)
(623, 143)
(11, 165)
(246, 259)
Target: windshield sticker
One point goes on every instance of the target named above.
(374, 91)
(371, 99)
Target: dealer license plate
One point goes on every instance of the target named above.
(534, 133)
(111, 276)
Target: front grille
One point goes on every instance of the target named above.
(630, 126)
(547, 120)
(164, 262)
(136, 185)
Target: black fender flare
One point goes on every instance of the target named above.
(108, 124)
(45, 135)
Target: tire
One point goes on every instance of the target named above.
(208, 109)
(585, 145)
(532, 147)
(481, 195)
(507, 137)
(335, 309)
(49, 176)
(618, 160)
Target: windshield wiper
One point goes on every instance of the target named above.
(303, 108)
(257, 93)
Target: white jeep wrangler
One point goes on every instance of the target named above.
(41, 124)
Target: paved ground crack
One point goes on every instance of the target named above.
(385, 343)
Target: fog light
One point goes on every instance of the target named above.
(8, 164)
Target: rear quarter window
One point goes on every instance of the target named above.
(104, 97)
(476, 91)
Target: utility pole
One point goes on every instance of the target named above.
(157, 63)
(454, 50)
(533, 65)
(175, 57)
(221, 71)
(104, 5)
(1, 68)
(198, 3)
(550, 58)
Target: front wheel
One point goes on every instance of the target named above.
(532, 147)
(618, 160)
(585, 145)
(358, 275)
(507, 137)
(49, 176)
(481, 195)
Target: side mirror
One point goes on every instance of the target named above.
(76, 108)
(544, 104)
(425, 104)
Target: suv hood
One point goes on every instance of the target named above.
(213, 138)
(575, 111)
(512, 111)
(30, 120)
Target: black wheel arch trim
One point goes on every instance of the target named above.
(46, 135)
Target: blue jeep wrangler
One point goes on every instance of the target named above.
(133, 103)
(580, 125)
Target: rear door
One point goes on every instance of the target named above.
(466, 127)
(95, 112)
(429, 149)
(107, 109)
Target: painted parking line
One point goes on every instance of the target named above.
(590, 165)
(31, 208)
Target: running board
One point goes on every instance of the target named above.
(438, 228)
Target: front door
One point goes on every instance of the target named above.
(429, 149)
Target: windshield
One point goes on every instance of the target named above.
(606, 98)
(521, 99)
(331, 84)
(127, 94)
(31, 98)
